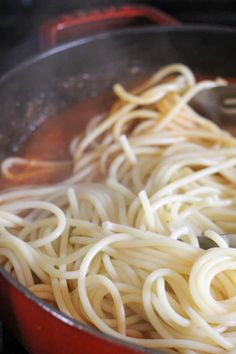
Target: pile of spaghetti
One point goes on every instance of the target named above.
(116, 245)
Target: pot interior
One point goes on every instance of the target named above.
(64, 76)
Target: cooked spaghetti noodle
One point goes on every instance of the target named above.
(116, 244)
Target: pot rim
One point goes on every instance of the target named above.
(114, 33)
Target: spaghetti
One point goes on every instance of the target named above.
(116, 244)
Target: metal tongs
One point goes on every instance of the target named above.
(217, 104)
(206, 243)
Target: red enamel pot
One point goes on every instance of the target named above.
(51, 82)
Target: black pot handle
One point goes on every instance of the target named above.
(80, 24)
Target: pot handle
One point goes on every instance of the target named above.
(80, 24)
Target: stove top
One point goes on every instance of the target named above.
(20, 21)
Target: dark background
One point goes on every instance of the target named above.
(20, 21)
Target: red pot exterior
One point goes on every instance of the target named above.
(44, 332)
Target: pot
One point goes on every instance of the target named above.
(51, 82)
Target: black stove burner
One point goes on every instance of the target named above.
(10, 345)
